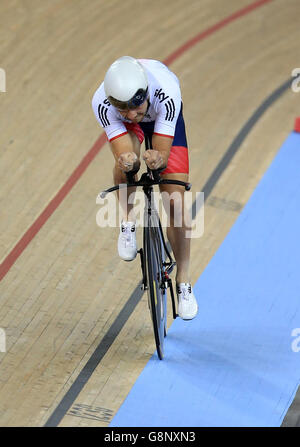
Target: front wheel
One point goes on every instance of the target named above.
(157, 294)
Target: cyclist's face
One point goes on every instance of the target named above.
(135, 115)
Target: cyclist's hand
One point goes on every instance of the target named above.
(154, 159)
(127, 161)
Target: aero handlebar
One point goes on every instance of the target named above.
(147, 179)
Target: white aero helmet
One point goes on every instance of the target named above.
(126, 83)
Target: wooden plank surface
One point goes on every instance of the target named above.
(64, 291)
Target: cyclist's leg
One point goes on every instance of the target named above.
(132, 141)
(179, 224)
(178, 232)
(127, 247)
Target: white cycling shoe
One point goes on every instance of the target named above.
(127, 241)
(187, 304)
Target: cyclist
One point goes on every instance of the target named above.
(138, 97)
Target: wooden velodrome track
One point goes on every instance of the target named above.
(63, 284)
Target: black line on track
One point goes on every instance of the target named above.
(137, 294)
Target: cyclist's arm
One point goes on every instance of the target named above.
(162, 144)
(124, 151)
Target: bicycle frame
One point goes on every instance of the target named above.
(168, 266)
(163, 268)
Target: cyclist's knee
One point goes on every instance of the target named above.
(173, 201)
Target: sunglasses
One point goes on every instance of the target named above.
(136, 101)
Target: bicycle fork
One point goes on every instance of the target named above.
(166, 281)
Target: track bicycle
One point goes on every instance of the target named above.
(156, 260)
